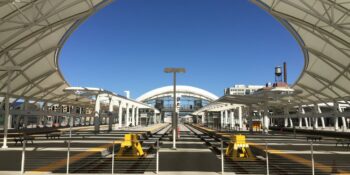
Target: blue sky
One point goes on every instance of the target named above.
(127, 44)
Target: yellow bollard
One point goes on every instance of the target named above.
(238, 149)
(130, 147)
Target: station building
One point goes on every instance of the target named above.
(189, 99)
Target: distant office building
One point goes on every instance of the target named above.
(242, 89)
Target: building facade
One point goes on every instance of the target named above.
(241, 89)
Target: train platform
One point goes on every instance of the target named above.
(197, 151)
(88, 150)
(191, 154)
(145, 173)
(327, 131)
(288, 153)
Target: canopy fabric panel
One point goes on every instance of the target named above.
(32, 33)
(322, 28)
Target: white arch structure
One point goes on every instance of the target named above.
(182, 90)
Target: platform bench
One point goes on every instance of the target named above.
(23, 138)
(343, 142)
(314, 138)
(53, 135)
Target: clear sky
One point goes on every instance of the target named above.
(127, 44)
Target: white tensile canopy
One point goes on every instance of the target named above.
(322, 28)
(32, 33)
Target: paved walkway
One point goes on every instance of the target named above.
(146, 173)
(191, 155)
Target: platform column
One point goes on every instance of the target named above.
(133, 115)
(25, 108)
(322, 123)
(240, 122)
(311, 121)
(137, 116)
(82, 117)
(85, 117)
(344, 123)
(78, 115)
(226, 118)
(285, 121)
(110, 116)
(342, 118)
(232, 117)
(127, 117)
(203, 118)
(7, 118)
(316, 111)
(18, 117)
(120, 114)
(7, 109)
(322, 118)
(154, 117)
(38, 119)
(316, 122)
(261, 117)
(286, 116)
(97, 114)
(90, 118)
(266, 119)
(74, 117)
(222, 119)
(336, 121)
(306, 122)
(300, 113)
(44, 117)
(70, 120)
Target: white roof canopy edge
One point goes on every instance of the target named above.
(179, 89)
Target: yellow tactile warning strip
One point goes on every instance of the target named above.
(63, 162)
(295, 158)
(75, 128)
(300, 160)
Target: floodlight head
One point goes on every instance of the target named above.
(172, 70)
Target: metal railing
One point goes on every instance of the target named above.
(106, 162)
(300, 161)
(74, 160)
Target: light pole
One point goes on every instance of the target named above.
(174, 119)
